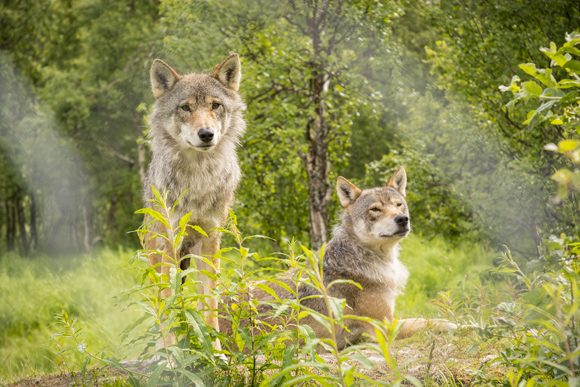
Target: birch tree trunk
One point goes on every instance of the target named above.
(317, 159)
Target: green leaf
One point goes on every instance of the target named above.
(200, 329)
(320, 318)
(572, 38)
(154, 378)
(528, 68)
(513, 87)
(473, 348)
(569, 98)
(554, 55)
(540, 112)
(178, 200)
(198, 229)
(337, 306)
(413, 380)
(175, 279)
(343, 281)
(157, 195)
(184, 220)
(568, 145)
(542, 75)
(552, 92)
(114, 363)
(239, 341)
(531, 89)
(572, 66)
(567, 83)
(268, 290)
(365, 361)
(155, 215)
(569, 50)
(191, 376)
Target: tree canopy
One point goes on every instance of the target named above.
(353, 88)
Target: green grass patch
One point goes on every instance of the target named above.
(436, 266)
(33, 289)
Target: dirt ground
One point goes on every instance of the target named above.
(438, 360)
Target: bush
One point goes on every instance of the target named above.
(533, 323)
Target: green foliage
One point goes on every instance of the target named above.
(435, 206)
(269, 346)
(74, 73)
(488, 159)
(533, 319)
(280, 62)
(560, 104)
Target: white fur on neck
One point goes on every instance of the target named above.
(390, 269)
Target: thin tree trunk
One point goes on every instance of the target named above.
(10, 229)
(318, 166)
(317, 159)
(112, 221)
(87, 236)
(33, 223)
(22, 225)
(141, 154)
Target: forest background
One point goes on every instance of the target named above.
(370, 86)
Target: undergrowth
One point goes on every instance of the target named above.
(522, 331)
(269, 345)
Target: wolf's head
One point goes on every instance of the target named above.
(197, 110)
(378, 215)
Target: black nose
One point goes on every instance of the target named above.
(205, 135)
(401, 220)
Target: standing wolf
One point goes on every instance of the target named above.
(195, 129)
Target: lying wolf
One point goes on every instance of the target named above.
(195, 129)
(364, 249)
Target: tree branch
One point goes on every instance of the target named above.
(115, 153)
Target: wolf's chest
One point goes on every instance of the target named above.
(391, 275)
(205, 190)
(203, 186)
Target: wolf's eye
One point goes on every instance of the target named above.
(215, 105)
(186, 108)
(375, 209)
(399, 204)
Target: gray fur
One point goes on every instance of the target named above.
(211, 176)
(186, 160)
(374, 266)
(357, 254)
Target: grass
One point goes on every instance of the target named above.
(35, 288)
(436, 266)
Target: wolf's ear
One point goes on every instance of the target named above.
(229, 72)
(398, 181)
(163, 77)
(347, 192)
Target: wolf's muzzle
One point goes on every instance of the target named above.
(205, 134)
(401, 220)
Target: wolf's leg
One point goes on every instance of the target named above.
(154, 259)
(209, 248)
